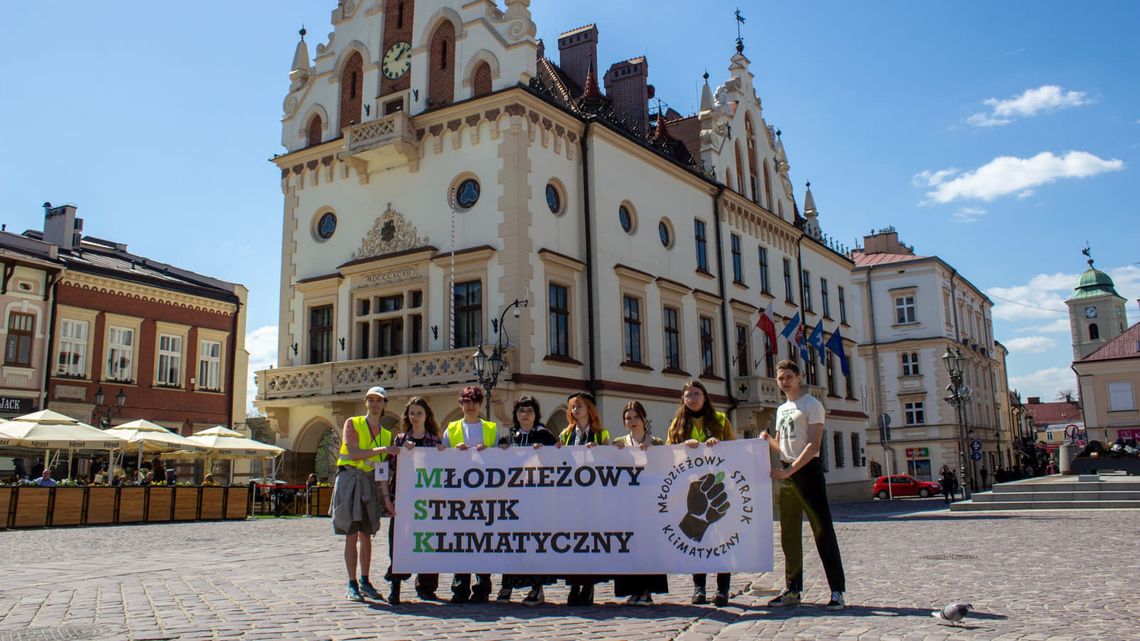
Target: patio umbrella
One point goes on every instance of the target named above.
(151, 438)
(48, 430)
(226, 443)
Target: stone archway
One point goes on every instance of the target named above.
(317, 442)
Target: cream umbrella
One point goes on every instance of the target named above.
(226, 443)
(151, 438)
(48, 430)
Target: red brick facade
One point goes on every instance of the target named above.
(441, 65)
(314, 131)
(351, 91)
(481, 80)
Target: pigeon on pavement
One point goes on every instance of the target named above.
(953, 613)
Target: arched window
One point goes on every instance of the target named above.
(441, 65)
(481, 80)
(1094, 332)
(314, 130)
(767, 187)
(739, 171)
(753, 180)
(351, 90)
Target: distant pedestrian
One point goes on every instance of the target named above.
(985, 474)
(949, 483)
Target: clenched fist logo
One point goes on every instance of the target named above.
(707, 504)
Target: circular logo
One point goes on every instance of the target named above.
(703, 505)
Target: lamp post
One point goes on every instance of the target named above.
(958, 395)
(102, 412)
(489, 367)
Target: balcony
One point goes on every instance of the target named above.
(383, 143)
(352, 377)
(761, 391)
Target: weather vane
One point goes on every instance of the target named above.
(1087, 251)
(739, 38)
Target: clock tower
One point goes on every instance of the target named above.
(1096, 311)
(396, 60)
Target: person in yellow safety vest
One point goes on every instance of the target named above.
(361, 484)
(470, 431)
(696, 422)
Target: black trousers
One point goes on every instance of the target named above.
(722, 581)
(806, 491)
(425, 583)
(461, 585)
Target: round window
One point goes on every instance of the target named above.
(665, 234)
(467, 194)
(553, 199)
(625, 217)
(326, 225)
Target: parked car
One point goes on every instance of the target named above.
(904, 485)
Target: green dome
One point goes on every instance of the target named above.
(1094, 283)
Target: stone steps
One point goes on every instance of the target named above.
(1051, 493)
(992, 506)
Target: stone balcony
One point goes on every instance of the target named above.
(761, 391)
(383, 143)
(396, 373)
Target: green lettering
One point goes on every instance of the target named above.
(421, 509)
(423, 542)
(429, 478)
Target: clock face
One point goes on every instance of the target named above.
(397, 60)
(1090, 312)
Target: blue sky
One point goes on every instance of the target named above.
(999, 136)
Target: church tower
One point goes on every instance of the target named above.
(1096, 311)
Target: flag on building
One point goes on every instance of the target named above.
(791, 327)
(835, 344)
(767, 324)
(816, 340)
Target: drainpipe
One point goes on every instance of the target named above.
(54, 285)
(233, 359)
(732, 403)
(592, 381)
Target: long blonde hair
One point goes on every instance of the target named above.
(682, 425)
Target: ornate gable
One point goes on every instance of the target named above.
(391, 233)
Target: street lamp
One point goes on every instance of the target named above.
(958, 395)
(489, 367)
(103, 413)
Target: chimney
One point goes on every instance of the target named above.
(884, 241)
(627, 86)
(1034, 400)
(576, 48)
(61, 227)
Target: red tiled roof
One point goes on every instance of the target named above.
(1127, 345)
(879, 258)
(1053, 413)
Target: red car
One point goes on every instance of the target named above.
(905, 485)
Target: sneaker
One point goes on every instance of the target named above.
(459, 599)
(646, 599)
(721, 599)
(504, 596)
(534, 597)
(394, 594)
(425, 595)
(836, 602)
(787, 598)
(634, 599)
(354, 594)
(699, 597)
(367, 590)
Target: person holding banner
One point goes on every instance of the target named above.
(638, 587)
(361, 483)
(527, 430)
(418, 428)
(460, 435)
(799, 428)
(696, 422)
(585, 428)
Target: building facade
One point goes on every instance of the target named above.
(916, 308)
(26, 298)
(479, 173)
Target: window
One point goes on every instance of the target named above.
(914, 412)
(481, 80)
(320, 334)
(805, 278)
(708, 366)
(559, 301)
(788, 298)
(21, 331)
(837, 449)
(849, 383)
(468, 314)
(830, 371)
(210, 366)
(665, 233)
(842, 306)
(769, 358)
(324, 226)
(441, 79)
(672, 339)
(72, 348)
(825, 298)
(737, 263)
(702, 245)
(856, 447)
(553, 199)
(764, 285)
(467, 193)
(626, 219)
(120, 353)
(811, 367)
(743, 362)
(910, 364)
(631, 328)
(169, 372)
(905, 311)
(1120, 397)
(1094, 332)
(351, 80)
(314, 132)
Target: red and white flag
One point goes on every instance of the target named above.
(767, 324)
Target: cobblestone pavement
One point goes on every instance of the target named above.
(1041, 576)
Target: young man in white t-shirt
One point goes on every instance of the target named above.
(799, 433)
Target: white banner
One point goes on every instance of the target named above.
(578, 510)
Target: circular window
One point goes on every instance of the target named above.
(467, 194)
(553, 199)
(665, 233)
(326, 225)
(625, 217)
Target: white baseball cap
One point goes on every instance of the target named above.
(376, 391)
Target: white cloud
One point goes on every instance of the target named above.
(261, 344)
(1044, 382)
(932, 178)
(1030, 344)
(1059, 326)
(1030, 103)
(1006, 175)
(968, 215)
(1044, 296)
